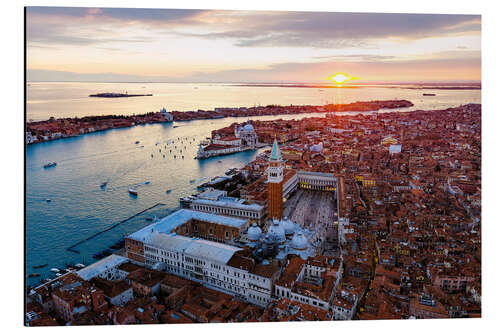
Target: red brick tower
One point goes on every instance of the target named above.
(274, 183)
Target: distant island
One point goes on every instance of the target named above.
(52, 129)
(356, 86)
(118, 95)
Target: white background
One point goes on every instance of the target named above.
(12, 163)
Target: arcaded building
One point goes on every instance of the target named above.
(213, 261)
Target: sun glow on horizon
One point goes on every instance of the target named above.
(341, 78)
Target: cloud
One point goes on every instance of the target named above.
(366, 70)
(42, 75)
(438, 66)
(248, 28)
(89, 26)
(357, 57)
(144, 15)
(338, 30)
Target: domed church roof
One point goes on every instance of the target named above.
(248, 127)
(288, 225)
(299, 241)
(254, 232)
(276, 232)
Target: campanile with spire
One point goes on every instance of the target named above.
(275, 183)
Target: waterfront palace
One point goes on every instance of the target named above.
(229, 254)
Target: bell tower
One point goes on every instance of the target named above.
(275, 183)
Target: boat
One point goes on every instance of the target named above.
(429, 94)
(39, 266)
(147, 182)
(118, 245)
(230, 171)
(34, 275)
(104, 184)
(175, 126)
(132, 191)
(55, 270)
(79, 265)
(58, 274)
(185, 201)
(219, 161)
(168, 191)
(137, 142)
(149, 219)
(49, 165)
(118, 95)
(192, 181)
(48, 200)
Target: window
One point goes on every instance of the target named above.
(227, 235)
(210, 231)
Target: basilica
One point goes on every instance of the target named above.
(247, 135)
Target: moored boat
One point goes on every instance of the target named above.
(55, 270)
(132, 191)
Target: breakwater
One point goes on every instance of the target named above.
(72, 247)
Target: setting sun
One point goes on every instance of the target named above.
(340, 78)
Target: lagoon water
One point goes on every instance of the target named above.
(79, 207)
(70, 99)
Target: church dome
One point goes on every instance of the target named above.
(254, 232)
(248, 128)
(276, 232)
(288, 225)
(299, 241)
(268, 239)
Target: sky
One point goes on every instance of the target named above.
(174, 45)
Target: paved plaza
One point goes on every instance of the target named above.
(312, 209)
(316, 211)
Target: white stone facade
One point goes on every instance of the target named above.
(213, 274)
